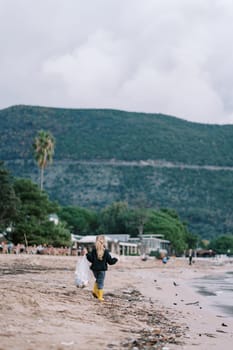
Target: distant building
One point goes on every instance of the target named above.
(205, 253)
(89, 242)
(152, 243)
(75, 239)
(116, 244)
(54, 218)
(124, 245)
(119, 237)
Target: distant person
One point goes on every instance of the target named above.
(10, 247)
(190, 256)
(144, 257)
(83, 251)
(99, 258)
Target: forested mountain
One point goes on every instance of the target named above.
(151, 160)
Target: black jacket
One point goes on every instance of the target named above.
(100, 265)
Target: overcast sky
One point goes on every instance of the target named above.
(158, 56)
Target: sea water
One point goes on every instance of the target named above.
(218, 289)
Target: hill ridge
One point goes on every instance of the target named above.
(140, 163)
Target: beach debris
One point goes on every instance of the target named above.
(144, 257)
(194, 303)
(67, 343)
(224, 325)
(150, 327)
(175, 284)
(220, 331)
(210, 335)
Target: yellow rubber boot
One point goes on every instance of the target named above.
(95, 290)
(100, 294)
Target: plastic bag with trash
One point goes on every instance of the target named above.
(82, 272)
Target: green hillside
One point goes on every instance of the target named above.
(102, 156)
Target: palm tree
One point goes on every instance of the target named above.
(44, 149)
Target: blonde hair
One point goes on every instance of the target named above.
(100, 246)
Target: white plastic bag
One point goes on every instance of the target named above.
(82, 272)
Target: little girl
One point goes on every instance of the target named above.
(100, 258)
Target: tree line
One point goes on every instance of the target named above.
(25, 212)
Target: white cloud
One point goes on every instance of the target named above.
(168, 56)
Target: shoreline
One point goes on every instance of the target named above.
(217, 290)
(205, 322)
(148, 305)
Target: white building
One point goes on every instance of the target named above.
(116, 244)
(54, 218)
(124, 245)
(152, 243)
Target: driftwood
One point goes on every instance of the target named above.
(194, 303)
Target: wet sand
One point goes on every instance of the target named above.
(147, 305)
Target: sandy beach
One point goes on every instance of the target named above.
(147, 305)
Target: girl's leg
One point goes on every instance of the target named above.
(95, 287)
(100, 276)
